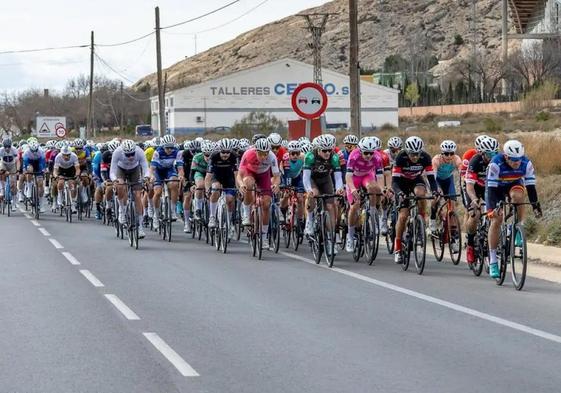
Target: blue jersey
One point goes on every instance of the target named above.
(293, 168)
(500, 174)
(37, 158)
(161, 159)
(96, 164)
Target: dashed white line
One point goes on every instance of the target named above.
(27, 216)
(70, 258)
(173, 357)
(36, 223)
(55, 243)
(91, 278)
(122, 307)
(434, 300)
(44, 231)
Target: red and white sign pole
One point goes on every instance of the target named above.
(309, 101)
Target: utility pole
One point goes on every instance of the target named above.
(122, 110)
(161, 95)
(505, 41)
(354, 67)
(89, 126)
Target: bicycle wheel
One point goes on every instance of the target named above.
(130, 227)
(328, 234)
(502, 255)
(316, 242)
(287, 227)
(225, 235)
(259, 232)
(168, 223)
(481, 252)
(518, 257)
(454, 237)
(274, 229)
(420, 244)
(358, 242)
(406, 244)
(371, 238)
(437, 240)
(68, 207)
(35, 195)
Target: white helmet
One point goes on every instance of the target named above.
(226, 144)
(478, 141)
(59, 145)
(207, 147)
(262, 144)
(306, 146)
(243, 144)
(513, 149)
(128, 146)
(294, 146)
(325, 142)
(199, 139)
(50, 144)
(367, 144)
(33, 146)
(168, 141)
(350, 140)
(112, 146)
(448, 146)
(395, 142)
(331, 138)
(414, 144)
(275, 139)
(90, 143)
(303, 139)
(78, 143)
(489, 145)
(65, 150)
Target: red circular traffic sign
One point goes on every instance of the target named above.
(60, 132)
(309, 100)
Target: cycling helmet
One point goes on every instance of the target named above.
(78, 143)
(225, 144)
(262, 144)
(187, 145)
(31, 139)
(350, 140)
(65, 150)
(275, 139)
(367, 144)
(243, 144)
(513, 149)
(489, 145)
(256, 137)
(207, 147)
(414, 144)
(196, 145)
(448, 146)
(325, 142)
(306, 146)
(22, 142)
(128, 146)
(303, 139)
(59, 145)
(199, 139)
(168, 141)
(112, 146)
(294, 146)
(34, 146)
(7, 143)
(331, 138)
(49, 144)
(90, 143)
(103, 148)
(284, 143)
(478, 141)
(235, 143)
(395, 142)
(245, 140)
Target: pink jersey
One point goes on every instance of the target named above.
(361, 167)
(251, 163)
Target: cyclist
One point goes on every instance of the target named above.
(511, 175)
(222, 172)
(444, 165)
(199, 166)
(475, 177)
(34, 162)
(66, 166)
(255, 170)
(96, 170)
(407, 179)
(190, 148)
(291, 168)
(163, 168)
(362, 167)
(322, 168)
(148, 195)
(351, 142)
(9, 163)
(395, 145)
(276, 146)
(105, 167)
(84, 154)
(128, 163)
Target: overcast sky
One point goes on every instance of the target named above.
(35, 24)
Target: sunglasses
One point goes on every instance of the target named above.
(414, 154)
(514, 159)
(448, 154)
(367, 153)
(206, 155)
(326, 150)
(275, 147)
(130, 154)
(225, 152)
(295, 153)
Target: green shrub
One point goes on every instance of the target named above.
(458, 40)
(531, 227)
(428, 118)
(388, 127)
(554, 233)
(492, 125)
(543, 116)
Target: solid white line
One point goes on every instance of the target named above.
(178, 362)
(44, 231)
(122, 307)
(434, 300)
(91, 278)
(34, 222)
(70, 258)
(57, 245)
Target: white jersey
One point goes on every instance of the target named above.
(60, 162)
(9, 156)
(119, 160)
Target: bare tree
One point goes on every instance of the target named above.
(537, 62)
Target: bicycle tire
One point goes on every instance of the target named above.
(358, 242)
(420, 244)
(518, 273)
(372, 238)
(225, 229)
(259, 233)
(35, 194)
(69, 207)
(317, 250)
(455, 257)
(406, 245)
(275, 229)
(168, 223)
(438, 244)
(502, 255)
(480, 252)
(328, 239)
(130, 229)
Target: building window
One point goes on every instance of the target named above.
(171, 102)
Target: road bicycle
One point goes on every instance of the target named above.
(7, 199)
(414, 238)
(165, 218)
(367, 233)
(254, 230)
(132, 221)
(66, 207)
(224, 220)
(292, 231)
(448, 231)
(322, 240)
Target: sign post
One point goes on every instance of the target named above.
(309, 101)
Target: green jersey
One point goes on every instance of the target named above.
(320, 167)
(199, 165)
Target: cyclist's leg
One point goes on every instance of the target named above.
(263, 184)
(495, 225)
(298, 184)
(372, 187)
(248, 181)
(213, 200)
(354, 207)
(187, 201)
(517, 194)
(199, 193)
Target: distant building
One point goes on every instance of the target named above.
(219, 103)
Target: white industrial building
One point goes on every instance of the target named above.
(267, 88)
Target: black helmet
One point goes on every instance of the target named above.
(256, 137)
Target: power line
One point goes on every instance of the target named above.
(42, 49)
(224, 24)
(202, 16)
(112, 69)
(127, 42)
(136, 99)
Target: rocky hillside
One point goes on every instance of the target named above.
(387, 27)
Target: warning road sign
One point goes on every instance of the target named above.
(47, 126)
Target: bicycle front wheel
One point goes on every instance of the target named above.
(275, 229)
(454, 238)
(502, 255)
(420, 244)
(328, 235)
(518, 257)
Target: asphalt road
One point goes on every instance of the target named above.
(83, 312)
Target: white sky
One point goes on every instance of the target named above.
(38, 23)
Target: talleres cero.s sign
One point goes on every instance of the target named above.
(309, 100)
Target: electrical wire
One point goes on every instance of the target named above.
(126, 42)
(136, 99)
(112, 69)
(42, 49)
(202, 16)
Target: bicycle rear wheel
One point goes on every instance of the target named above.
(502, 255)
(455, 237)
(518, 257)
(275, 229)
(407, 244)
(328, 235)
(437, 241)
(420, 244)
(481, 253)
(259, 232)
(168, 222)
(371, 238)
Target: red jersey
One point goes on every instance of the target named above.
(468, 155)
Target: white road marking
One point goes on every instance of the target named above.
(70, 258)
(34, 222)
(44, 231)
(434, 300)
(27, 216)
(21, 209)
(55, 243)
(91, 278)
(173, 357)
(122, 307)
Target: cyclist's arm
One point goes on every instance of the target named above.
(491, 186)
(530, 183)
(307, 179)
